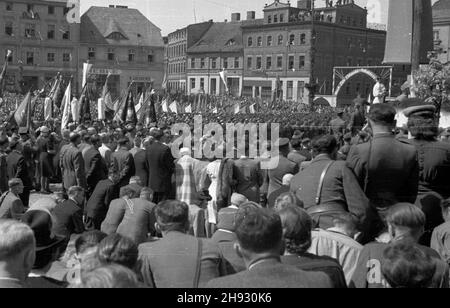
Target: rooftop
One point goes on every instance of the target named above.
(221, 37)
(441, 9)
(128, 26)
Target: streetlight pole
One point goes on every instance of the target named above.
(312, 82)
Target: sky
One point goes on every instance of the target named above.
(170, 15)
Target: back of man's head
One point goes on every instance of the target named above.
(297, 227)
(325, 145)
(382, 114)
(172, 215)
(17, 247)
(406, 265)
(258, 230)
(406, 219)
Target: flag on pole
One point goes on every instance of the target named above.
(140, 104)
(164, 106)
(75, 109)
(188, 109)
(237, 107)
(86, 69)
(22, 116)
(48, 108)
(252, 108)
(3, 73)
(215, 110)
(173, 107)
(66, 107)
(223, 76)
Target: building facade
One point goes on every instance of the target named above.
(280, 46)
(441, 24)
(219, 50)
(42, 42)
(178, 44)
(124, 43)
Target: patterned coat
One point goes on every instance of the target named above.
(186, 190)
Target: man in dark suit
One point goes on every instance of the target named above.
(122, 162)
(248, 176)
(357, 120)
(98, 204)
(69, 214)
(284, 166)
(11, 206)
(72, 164)
(95, 166)
(178, 260)
(140, 161)
(17, 168)
(294, 155)
(17, 255)
(386, 168)
(260, 241)
(160, 167)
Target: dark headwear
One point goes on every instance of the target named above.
(419, 110)
(382, 114)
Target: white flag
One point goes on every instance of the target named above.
(86, 69)
(252, 108)
(223, 76)
(188, 109)
(48, 108)
(66, 106)
(173, 107)
(75, 108)
(164, 106)
(215, 110)
(237, 108)
(140, 104)
(101, 109)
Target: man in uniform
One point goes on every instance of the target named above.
(72, 164)
(338, 126)
(387, 169)
(357, 120)
(29, 151)
(122, 161)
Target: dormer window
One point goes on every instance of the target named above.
(116, 36)
(231, 42)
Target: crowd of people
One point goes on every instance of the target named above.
(352, 201)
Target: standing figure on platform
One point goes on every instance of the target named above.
(379, 92)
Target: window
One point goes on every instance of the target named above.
(269, 19)
(111, 55)
(250, 42)
(236, 62)
(9, 6)
(258, 63)
(51, 32)
(281, 17)
(91, 53)
(66, 57)
(269, 62)
(436, 35)
(259, 42)
(202, 83)
(269, 40)
(30, 58)
(225, 62)
(193, 63)
(30, 30)
(249, 62)
(66, 35)
(192, 83)
(280, 62)
(292, 39)
(51, 10)
(202, 63)
(290, 90)
(360, 62)
(301, 62)
(291, 62)
(349, 20)
(131, 53)
(280, 40)
(275, 18)
(300, 90)
(50, 57)
(369, 62)
(9, 28)
(213, 86)
(214, 63)
(302, 38)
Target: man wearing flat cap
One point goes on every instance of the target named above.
(386, 168)
(434, 163)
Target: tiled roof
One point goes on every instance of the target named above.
(441, 9)
(99, 22)
(221, 37)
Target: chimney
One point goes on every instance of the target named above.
(304, 4)
(236, 17)
(251, 15)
